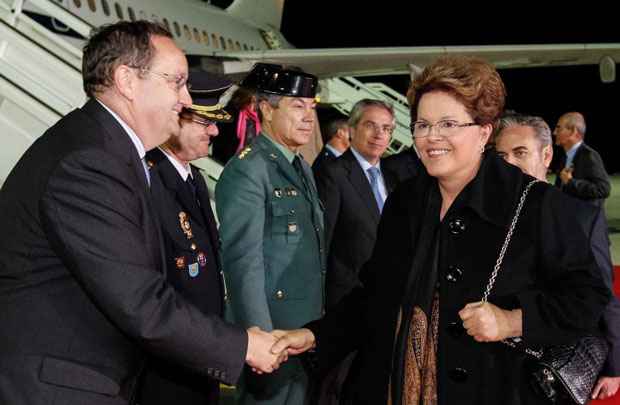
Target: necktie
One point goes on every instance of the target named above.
(373, 173)
(300, 171)
(191, 185)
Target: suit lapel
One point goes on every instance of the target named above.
(285, 168)
(117, 140)
(360, 183)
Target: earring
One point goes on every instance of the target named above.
(481, 149)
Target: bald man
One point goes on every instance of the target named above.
(583, 174)
(525, 141)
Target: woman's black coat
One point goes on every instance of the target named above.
(548, 271)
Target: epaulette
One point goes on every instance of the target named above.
(244, 152)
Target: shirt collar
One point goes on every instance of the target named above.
(571, 152)
(288, 154)
(363, 162)
(184, 171)
(132, 135)
(333, 150)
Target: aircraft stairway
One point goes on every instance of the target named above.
(40, 79)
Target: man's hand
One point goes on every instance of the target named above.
(566, 175)
(260, 355)
(606, 387)
(293, 341)
(488, 323)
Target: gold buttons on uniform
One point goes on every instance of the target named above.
(279, 294)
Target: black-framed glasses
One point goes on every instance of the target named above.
(421, 129)
(179, 81)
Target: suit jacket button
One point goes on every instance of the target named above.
(458, 374)
(454, 274)
(456, 226)
(279, 294)
(193, 246)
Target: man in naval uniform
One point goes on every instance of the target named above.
(181, 200)
(271, 225)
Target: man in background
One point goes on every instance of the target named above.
(525, 141)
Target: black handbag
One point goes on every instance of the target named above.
(563, 373)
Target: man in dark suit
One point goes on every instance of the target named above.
(525, 141)
(336, 140)
(190, 236)
(83, 290)
(583, 174)
(353, 189)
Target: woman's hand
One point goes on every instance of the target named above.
(488, 323)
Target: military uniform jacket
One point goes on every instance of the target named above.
(272, 239)
(193, 267)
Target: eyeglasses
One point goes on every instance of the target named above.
(445, 128)
(179, 81)
(373, 126)
(188, 116)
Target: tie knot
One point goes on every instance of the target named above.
(373, 172)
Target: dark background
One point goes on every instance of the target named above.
(547, 92)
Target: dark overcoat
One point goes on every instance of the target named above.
(548, 271)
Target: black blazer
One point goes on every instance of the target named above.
(83, 290)
(559, 288)
(351, 220)
(324, 156)
(590, 180)
(194, 270)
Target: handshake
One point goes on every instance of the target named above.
(267, 350)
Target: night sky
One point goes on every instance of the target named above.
(547, 92)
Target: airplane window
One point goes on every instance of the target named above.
(196, 35)
(132, 15)
(177, 30)
(92, 5)
(245, 47)
(237, 46)
(78, 3)
(119, 11)
(231, 46)
(188, 34)
(167, 24)
(215, 43)
(205, 37)
(106, 7)
(223, 42)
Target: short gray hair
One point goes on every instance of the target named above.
(360, 107)
(540, 127)
(272, 99)
(576, 121)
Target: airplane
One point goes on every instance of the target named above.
(224, 41)
(230, 41)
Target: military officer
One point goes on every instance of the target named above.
(181, 200)
(271, 225)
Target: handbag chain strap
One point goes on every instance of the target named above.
(498, 264)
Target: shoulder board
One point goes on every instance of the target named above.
(244, 152)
